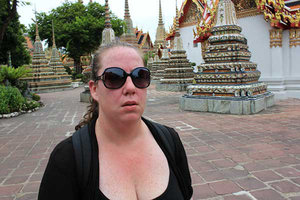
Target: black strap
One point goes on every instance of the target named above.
(83, 156)
(170, 145)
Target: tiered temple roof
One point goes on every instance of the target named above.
(163, 64)
(144, 40)
(179, 73)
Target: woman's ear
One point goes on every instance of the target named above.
(93, 89)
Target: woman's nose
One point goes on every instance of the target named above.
(129, 86)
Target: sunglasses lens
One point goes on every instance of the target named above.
(114, 78)
(141, 77)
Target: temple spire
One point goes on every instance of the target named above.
(160, 20)
(53, 36)
(107, 15)
(37, 36)
(127, 13)
(108, 34)
(177, 33)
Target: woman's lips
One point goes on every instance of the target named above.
(129, 103)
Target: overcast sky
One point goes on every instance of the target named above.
(144, 13)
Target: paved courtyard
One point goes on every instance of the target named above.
(231, 157)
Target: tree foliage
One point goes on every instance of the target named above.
(12, 38)
(78, 28)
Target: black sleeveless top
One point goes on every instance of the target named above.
(172, 191)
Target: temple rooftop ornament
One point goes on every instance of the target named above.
(108, 34)
(43, 78)
(227, 82)
(160, 31)
(179, 73)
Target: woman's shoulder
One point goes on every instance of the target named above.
(62, 155)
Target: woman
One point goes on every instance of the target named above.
(130, 158)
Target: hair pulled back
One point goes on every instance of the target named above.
(93, 108)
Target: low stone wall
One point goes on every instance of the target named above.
(237, 106)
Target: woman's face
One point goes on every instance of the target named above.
(128, 102)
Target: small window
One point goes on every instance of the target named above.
(195, 45)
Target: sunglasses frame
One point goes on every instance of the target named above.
(102, 77)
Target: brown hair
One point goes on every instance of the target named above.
(92, 111)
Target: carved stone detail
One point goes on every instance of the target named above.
(275, 38)
(294, 37)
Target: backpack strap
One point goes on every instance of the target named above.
(83, 155)
(170, 145)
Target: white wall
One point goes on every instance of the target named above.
(193, 53)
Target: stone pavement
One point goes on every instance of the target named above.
(231, 157)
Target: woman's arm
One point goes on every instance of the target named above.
(60, 180)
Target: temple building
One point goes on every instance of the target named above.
(272, 28)
(227, 82)
(179, 73)
(160, 31)
(129, 35)
(144, 40)
(42, 77)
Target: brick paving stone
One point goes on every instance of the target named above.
(223, 163)
(267, 175)
(196, 179)
(285, 186)
(296, 180)
(10, 189)
(224, 187)
(288, 172)
(267, 194)
(203, 192)
(250, 183)
(31, 187)
(6, 198)
(16, 179)
(235, 197)
(212, 176)
(295, 198)
(28, 196)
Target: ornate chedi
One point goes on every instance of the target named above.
(179, 74)
(129, 35)
(154, 68)
(227, 82)
(149, 63)
(43, 78)
(108, 34)
(160, 31)
(162, 64)
(55, 62)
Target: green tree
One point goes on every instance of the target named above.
(13, 41)
(78, 28)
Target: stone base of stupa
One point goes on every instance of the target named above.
(85, 95)
(228, 105)
(171, 87)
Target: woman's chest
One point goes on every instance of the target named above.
(140, 174)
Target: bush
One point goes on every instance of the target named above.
(12, 75)
(11, 100)
(36, 97)
(30, 104)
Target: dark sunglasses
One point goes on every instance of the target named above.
(115, 77)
